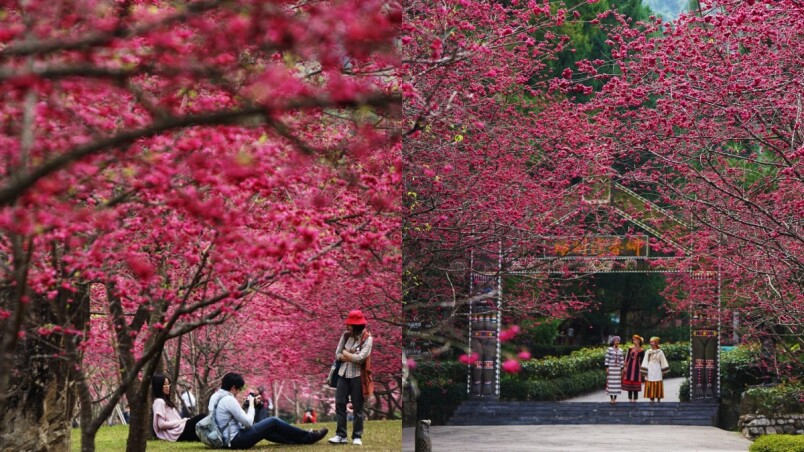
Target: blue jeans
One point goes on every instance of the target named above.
(273, 429)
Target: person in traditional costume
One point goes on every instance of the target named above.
(614, 369)
(654, 366)
(632, 379)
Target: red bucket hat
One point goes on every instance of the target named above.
(355, 318)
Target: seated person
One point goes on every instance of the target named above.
(168, 423)
(309, 417)
(239, 431)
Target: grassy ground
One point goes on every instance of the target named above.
(377, 436)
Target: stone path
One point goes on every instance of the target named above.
(580, 438)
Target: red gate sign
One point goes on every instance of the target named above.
(598, 245)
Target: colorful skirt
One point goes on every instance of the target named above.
(631, 385)
(654, 389)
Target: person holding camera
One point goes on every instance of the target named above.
(257, 404)
(237, 423)
(354, 351)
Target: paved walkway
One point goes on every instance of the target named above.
(580, 438)
(585, 438)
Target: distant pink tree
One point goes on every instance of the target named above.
(162, 166)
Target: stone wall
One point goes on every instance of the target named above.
(755, 425)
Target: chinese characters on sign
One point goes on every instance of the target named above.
(600, 245)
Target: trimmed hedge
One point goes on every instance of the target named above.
(553, 389)
(544, 350)
(785, 398)
(778, 443)
(581, 372)
(442, 384)
(592, 359)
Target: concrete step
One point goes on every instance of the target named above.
(475, 412)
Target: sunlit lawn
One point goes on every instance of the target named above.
(377, 436)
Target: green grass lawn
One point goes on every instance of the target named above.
(377, 436)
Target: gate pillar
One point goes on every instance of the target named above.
(705, 337)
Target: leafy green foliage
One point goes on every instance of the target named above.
(587, 359)
(586, 40)
(738, 370)
(786, 398)
(553, 389)
(633, 298)
(442, 388)
(438, 404)
(544, 350)
(778, 443)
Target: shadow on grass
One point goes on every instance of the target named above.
(377, 436)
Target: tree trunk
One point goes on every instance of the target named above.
(41, 394)
(140, 418)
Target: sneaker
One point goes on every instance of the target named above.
(357, 442)
(338, 440)
(316, 435)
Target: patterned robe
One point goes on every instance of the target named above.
(632, 380)
(614, 363)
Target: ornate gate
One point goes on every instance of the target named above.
(588, 255)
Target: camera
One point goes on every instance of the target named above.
(257, 403)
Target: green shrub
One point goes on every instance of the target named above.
(558, 378)
(678, 368)
(439, 373)
(738, 370)
(552, 367)
(582, 383)
(544, 350)
(778, 443)
(785, 398)
(442, 388)
(679, 351)
(592, 359)
(684, 390)
(513, 388)
(442, 384)
(438, 404)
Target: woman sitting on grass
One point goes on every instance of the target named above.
(168, 423)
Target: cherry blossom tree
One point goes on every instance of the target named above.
(163, 166)
(707, 111)
(493, 156)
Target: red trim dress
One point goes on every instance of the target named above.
(632, 377)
